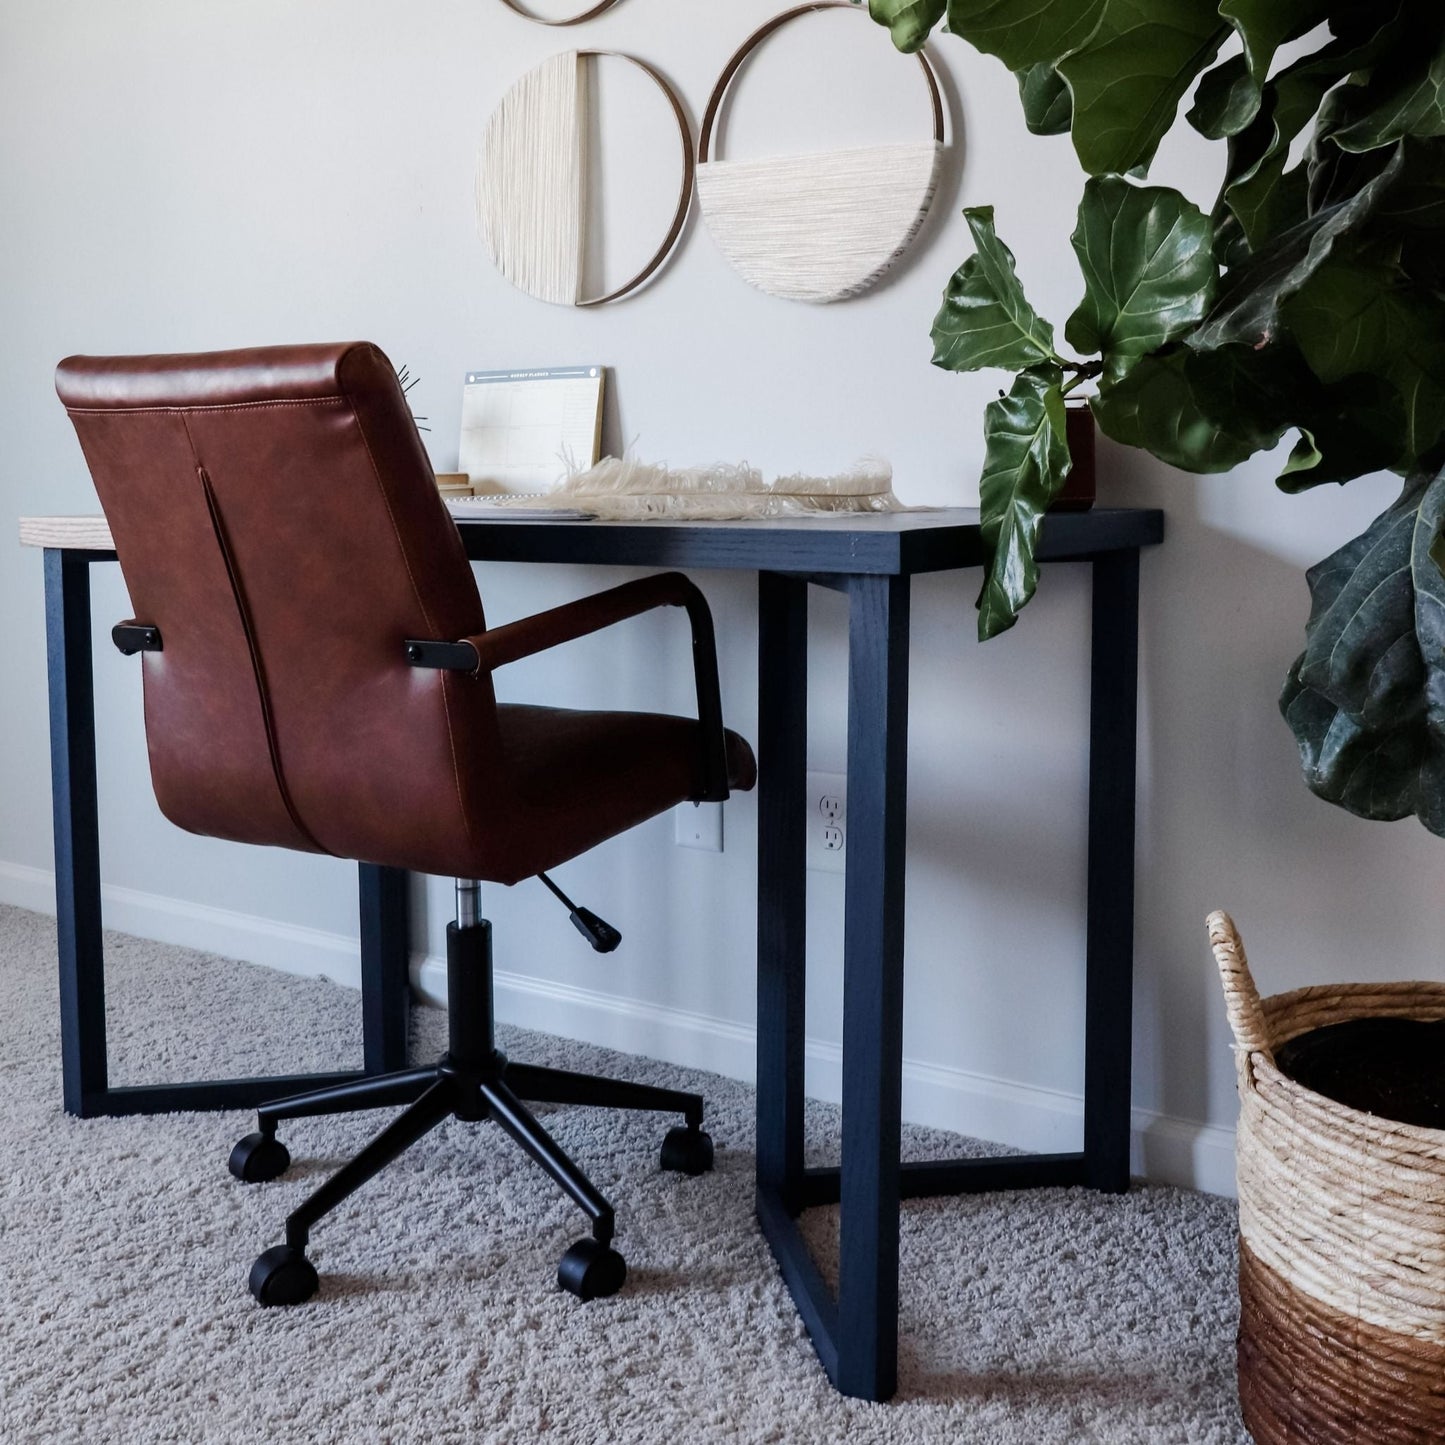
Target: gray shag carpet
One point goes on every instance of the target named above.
(1056, 1316)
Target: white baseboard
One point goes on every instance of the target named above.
(1164, 1149)
(310, 952)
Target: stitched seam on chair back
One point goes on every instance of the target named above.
(421, 601)
(257, 667)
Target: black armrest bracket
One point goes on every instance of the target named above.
(714, 776)
(442, 656)
(134, 637)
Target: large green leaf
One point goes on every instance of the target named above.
(1250, 301)
(1271, 202)
(1226, 101)
(1048, 107)
(1149, 270)
(909, 20)
(1366, 699)
(1414, 213)
(985, 319)
(1258, 157)
(1336, 175)
(1416, 202)
(1252, 396)
(1127, 64)
(1255, 396)
(1405, 94)
(1154, 407)
(1358, 319)
(1025, 32)
(1259, 188)
(1207, 411)
(1128, 77)
(1265, 25)
(1230, 95)
(1354, 20)
(1349, 431)
(1025, 466)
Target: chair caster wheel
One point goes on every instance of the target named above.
(591, 1270)
(687, 1151)
(283, 1276)
(259, 1158)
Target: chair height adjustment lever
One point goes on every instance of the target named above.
(597, 931)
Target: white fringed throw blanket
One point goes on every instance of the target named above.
(618, 489)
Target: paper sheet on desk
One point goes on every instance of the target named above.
(523, 430)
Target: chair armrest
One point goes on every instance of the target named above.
(529, 635)
(501, 645)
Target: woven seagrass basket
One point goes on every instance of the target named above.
(1342, 1231)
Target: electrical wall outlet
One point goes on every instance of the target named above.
(827, 822)
(699, 825)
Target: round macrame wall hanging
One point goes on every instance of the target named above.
(591, 13)
(821, 227)
(532, 181)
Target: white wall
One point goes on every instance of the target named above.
(179, 176)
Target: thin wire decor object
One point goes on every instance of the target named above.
(626, 489)
(532, 181)
(822, 227)
(589, 14)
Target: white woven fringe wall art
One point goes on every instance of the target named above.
(591, 13)
(822, 227)
(532, 181)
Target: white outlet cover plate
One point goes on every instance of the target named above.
(823, 817)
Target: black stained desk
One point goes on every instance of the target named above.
(872, 561)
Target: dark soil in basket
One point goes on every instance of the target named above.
(1394, 1068)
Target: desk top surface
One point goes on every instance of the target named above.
(849, 544)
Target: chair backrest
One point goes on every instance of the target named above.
(277, 519)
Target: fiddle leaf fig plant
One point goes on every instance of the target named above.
(1149, 275)
(1309, 301)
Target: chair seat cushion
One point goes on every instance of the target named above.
(575, 779)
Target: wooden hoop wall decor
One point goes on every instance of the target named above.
(821, 227)
(532, 181)
(586, 15)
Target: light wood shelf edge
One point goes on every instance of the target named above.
(85, 534)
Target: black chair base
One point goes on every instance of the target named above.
(473, 1081)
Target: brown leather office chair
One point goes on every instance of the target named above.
(318, 676)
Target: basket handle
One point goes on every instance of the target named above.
(1241, 997)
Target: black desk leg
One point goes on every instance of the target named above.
(782, 881)
(385, 984)
(1113, 750)
(77, 836)
(873, 986)
(85, 1075)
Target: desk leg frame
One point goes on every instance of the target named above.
(856, 1334)
(77, 832)
(1109, 948)
(782, 882)
(873, 986)
(87, 1091)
